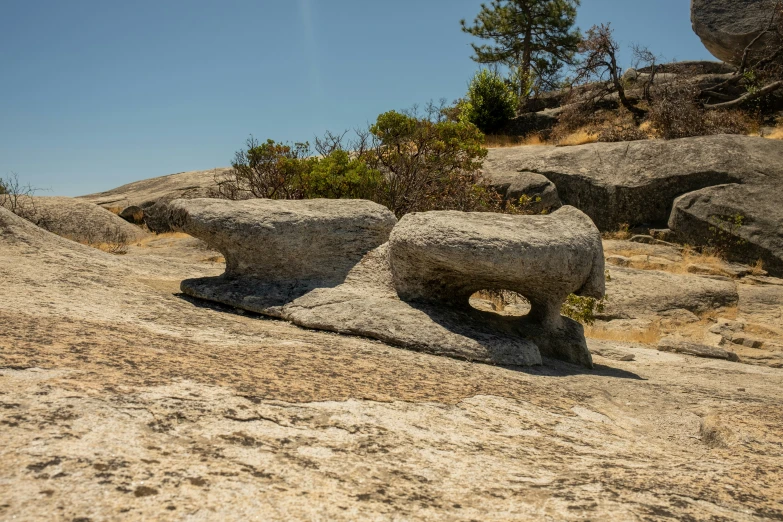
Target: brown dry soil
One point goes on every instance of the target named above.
(120, 399)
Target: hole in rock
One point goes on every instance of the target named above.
(501, 302)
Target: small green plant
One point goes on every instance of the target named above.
(583, 309)
(490, 102)
(525, 205)
(724, 233)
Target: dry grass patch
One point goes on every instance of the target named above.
(623, 233)
(503, 141)
(114, 210)
(579, 137)
(758, 268)
(166, 235)
(776, 134)
(649, 335)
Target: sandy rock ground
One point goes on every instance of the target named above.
(120, 399)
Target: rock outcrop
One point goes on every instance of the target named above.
(728, 27)
(671, 344)
(743, 221)
(636, 294)
(323, 264)
(145, 404)
(282, 248)
(79, 221)
(534, 191)
(445, 257)
(186, 185)
(637, 182)
(133, 214)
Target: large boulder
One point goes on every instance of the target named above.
(133, 214)
(186, 185)
(445, 257)
(283, 248)
(637, 183)
(743, 221)
(728, 27)
(448, 256)
(535, 191)
(640, 294)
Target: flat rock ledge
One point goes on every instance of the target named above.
(329, 265)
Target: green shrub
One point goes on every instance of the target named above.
(407, 163)
(582, 309)
(266, 170)
(490, 102)
(428, 165)
(338, 176)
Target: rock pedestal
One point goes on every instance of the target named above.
(325, 264)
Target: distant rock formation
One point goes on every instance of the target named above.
(728, 27)
(79, 221)
(655, 182)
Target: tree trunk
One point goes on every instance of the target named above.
(527, 50)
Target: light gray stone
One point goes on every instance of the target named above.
(670, 344)
(727, 27)
(744, 220)
(633, 293)
(636, 182)
(541, 192)
(367, 304)
(315, 263)
(282, 249)
(445, 257)
(79, 220)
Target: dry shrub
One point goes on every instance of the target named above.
(730, 122)
(114, 210)
(112, 239)
(573, 117)
(621, 128)
(677, 113)
(623, 232)
(758, 268)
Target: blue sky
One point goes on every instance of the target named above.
(98, 93)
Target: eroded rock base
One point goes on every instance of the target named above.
(366, 304)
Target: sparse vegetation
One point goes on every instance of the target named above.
(18, 197)
(583, 309)
(490, 102)
(405, 162)
(724, 233)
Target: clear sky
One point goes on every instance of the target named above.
(98, 93)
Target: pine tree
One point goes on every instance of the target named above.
(534, 38)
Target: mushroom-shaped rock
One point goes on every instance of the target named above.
(445, 257)
(281, 248)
